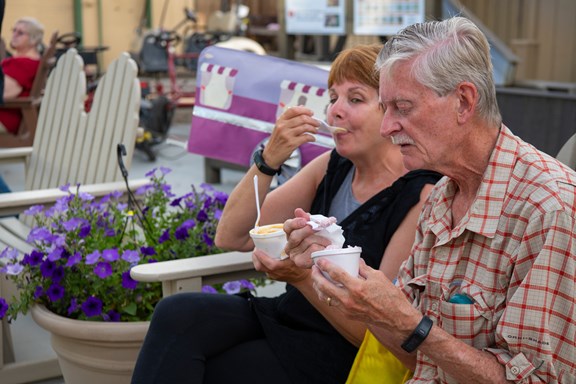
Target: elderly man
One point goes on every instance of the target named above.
(487, 295)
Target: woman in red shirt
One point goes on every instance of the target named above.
(20, 69)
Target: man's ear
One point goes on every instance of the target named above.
(468, 99)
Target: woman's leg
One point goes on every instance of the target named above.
(250, 362)
(186, 330)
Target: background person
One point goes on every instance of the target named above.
(487, 293)
(295, 338)
(20, 69)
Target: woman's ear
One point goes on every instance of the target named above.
(468, 99)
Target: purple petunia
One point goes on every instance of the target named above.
(73, 224)
(47, 268)
(209, 289)
(247, 284)
(92, 306)
(127, 281)
(208, 240)
(131, 256)
(55, 254)
(73, 306)
(55, 292)
(3, 307)
(202, 216)
(38, 292)
(165, 236)
(34, 210)
(232, 287)
(39, 234)
(111, 316)
(13, 269)
(92, 258)
(84, 231)
(58, 274)
(147, 251)
(181, 232)
(74, 259)
(103, 270)
(110, 254)
(35, 258)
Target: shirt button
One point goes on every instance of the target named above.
(434, 306)
(515, 370)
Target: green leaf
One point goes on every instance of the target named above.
(130, 309)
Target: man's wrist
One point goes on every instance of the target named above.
(418, 336)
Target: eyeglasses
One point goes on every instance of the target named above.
(19, 32)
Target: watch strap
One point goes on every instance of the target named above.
(262, 166)
(418, 335)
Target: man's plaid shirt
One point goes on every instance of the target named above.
(514, 255)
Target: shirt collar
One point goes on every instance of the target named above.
(485, 211)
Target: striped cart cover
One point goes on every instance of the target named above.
(239, 95)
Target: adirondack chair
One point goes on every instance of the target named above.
(30, 105)
(567, 153)
(189, 275)
(70, 146)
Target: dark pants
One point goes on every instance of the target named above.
(206, 338)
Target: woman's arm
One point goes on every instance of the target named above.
(292, 130)
(12, 88)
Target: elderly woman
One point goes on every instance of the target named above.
(295, 338)
(20, 69)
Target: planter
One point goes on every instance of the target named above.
(93, 352)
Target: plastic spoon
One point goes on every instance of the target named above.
(257, 201)
(325, 127)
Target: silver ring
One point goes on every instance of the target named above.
(329, 301)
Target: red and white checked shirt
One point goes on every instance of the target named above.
(514, 254)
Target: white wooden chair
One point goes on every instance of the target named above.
(70, 146)
(189, 275)
(567, 153)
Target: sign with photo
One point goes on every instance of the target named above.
(386, 17)
(317, 17)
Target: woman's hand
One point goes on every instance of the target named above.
(302, 240)
(293, 128)
(281, 270)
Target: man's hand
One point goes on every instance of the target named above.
(370, 298)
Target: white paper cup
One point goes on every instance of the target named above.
(346, 258)
(270, 239)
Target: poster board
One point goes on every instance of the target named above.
(386, 17)
(318, 17)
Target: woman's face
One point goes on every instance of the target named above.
(355, 106)
(20, 37)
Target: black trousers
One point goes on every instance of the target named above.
(206, 338)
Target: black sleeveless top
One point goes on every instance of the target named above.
(309, 348)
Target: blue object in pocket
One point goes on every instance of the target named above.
(460, 298)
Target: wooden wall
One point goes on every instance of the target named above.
(540, 32)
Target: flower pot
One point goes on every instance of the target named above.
(93, 352)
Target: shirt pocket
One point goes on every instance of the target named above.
(471, 323)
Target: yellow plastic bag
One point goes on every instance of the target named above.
(376, 364)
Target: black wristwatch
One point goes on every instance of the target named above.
(418, 336)
(262, 166)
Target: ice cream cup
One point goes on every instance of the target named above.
(270, 239)
(346, 258)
